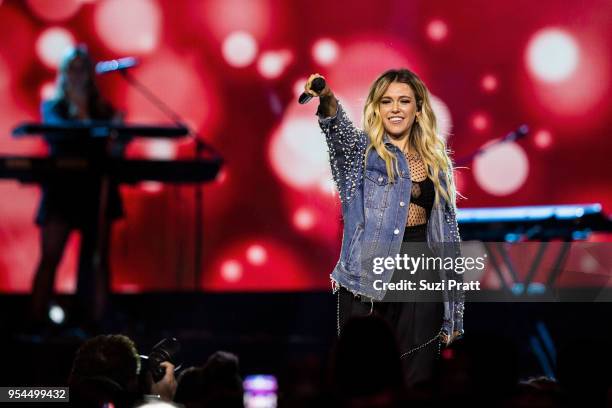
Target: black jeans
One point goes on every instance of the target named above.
(415, 321)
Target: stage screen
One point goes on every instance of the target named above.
(233, 69)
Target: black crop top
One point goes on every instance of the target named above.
(423, 195)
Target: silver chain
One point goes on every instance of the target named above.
(338, 313)
(415, 349)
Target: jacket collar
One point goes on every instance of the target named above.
(387, 140)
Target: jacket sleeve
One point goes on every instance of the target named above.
(346, 145)
(451, 247)
(459, 295)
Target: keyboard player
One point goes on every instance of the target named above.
(73, 203)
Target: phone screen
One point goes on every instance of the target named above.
(260, 391)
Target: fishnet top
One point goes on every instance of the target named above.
(422, 194)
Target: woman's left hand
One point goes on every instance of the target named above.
(446, 340)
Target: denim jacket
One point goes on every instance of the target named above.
(375, 211)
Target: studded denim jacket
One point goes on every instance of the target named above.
(375, 210)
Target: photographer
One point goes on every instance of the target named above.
(107, 368)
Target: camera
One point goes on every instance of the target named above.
(166, 350)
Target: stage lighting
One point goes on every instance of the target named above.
(552, 55)
(304, 218)
(129, 27)
(55, 10)
(489, 83)
(51, 45)
(543, 139)
(502, 169)
(299, 159)
(256, 254)
(325, 51)
(271, 64)
(443, 116)
(57, 314)
(480, 122)
(239, 49)
(437, 30)
(231, 270)
(47, 90)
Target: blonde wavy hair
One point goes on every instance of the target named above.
(423, 136)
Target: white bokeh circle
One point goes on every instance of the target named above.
(443, 117)
(256, 254)
(298, 153)
(52, 44)
(272, 64)
(552, 55)
(128, 27)
(502, 169)
(231, 270)
(325, 51)
(239, 49)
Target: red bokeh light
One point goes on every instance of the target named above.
(543, 139)
(588, 85)
(489, 83)
(151, 187)
(129, 27)
(5, 76)
(271, 64)
(221, 176)
(223, 17)
(480, 121)
(11, 113)
(19, 36)
(352, 85)
(460, 181)
(283, 268)
(304, 218)
(231, 271)
(256, 254)
(316, 215)
(179, 83)
(56, 10)
(297, 157)
(437, 30)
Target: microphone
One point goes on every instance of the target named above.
(517, 134)
(318, 84)
(104, 67)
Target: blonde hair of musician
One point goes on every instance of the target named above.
(423, 136)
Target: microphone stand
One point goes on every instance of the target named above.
(515, 135)
(201, 147)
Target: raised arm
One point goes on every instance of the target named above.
(346, 143)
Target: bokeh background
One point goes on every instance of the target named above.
(233, 70)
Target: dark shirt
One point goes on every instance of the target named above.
(76, 199)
